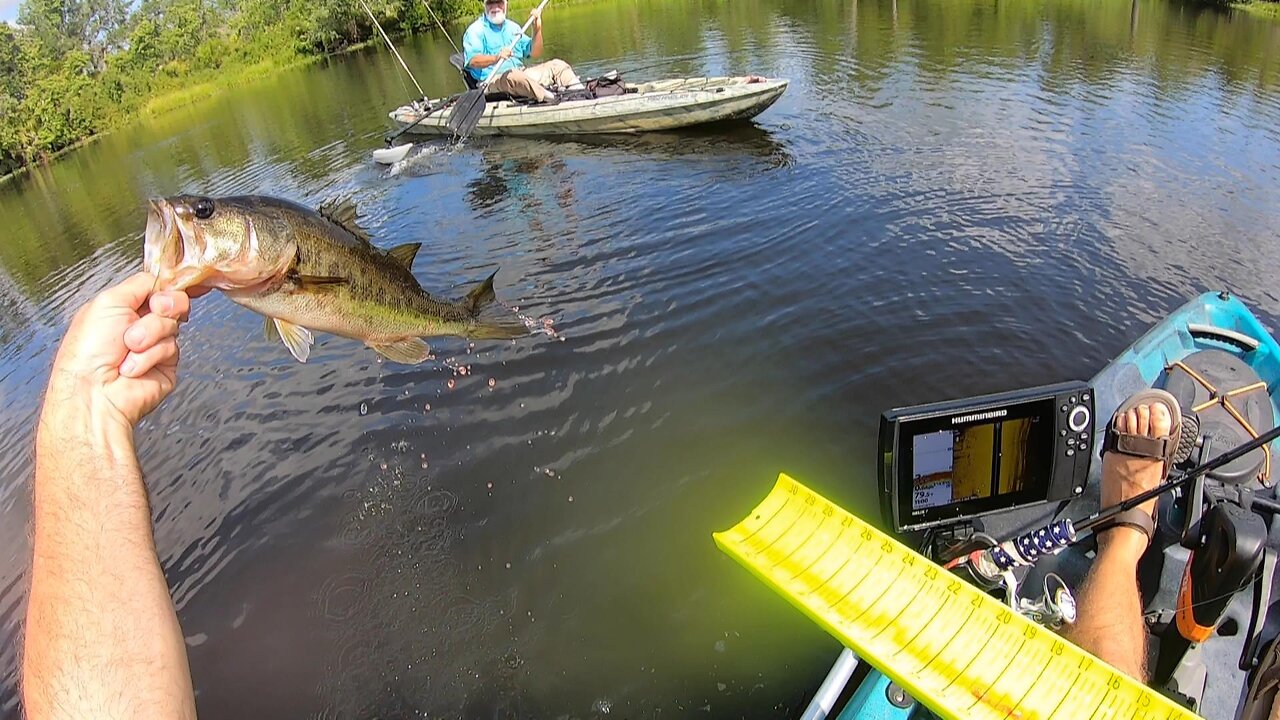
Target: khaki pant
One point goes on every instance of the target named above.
(533, 81)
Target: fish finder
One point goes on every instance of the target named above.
(949, 462)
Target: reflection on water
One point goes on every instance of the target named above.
(952, 197)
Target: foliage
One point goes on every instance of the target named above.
(74, 68)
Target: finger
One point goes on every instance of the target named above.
(137, 364)
(151, 329)
(1144, 419)
(131, 293)
(170, 304)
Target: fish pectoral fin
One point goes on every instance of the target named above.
(297, 338)
(269, 330)
(481, 295)
(320, 283)
(404, 254)
(409, 352)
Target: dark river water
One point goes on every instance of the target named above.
(953, 197)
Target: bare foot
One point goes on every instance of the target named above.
(1124, 476)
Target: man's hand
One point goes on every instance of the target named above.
(119, 358)
(504, 53)
(536, 16)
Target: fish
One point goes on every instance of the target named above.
(309, 271)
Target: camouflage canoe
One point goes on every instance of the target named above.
(658, 105)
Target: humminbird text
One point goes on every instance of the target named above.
(979, 416)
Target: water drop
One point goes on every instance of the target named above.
(451, 384)
(508, 566)
(492, 383)
(364, 409)
(426, 408)
(570, 498)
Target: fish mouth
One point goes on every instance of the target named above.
(166, 245)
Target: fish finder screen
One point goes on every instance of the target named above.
(976, 462)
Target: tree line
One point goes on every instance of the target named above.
(73, 68)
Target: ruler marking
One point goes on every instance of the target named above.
(936, 613)
(831, 606)
(852, 553)
(842, 581)
(820, 556)
(945, 645)
(873, 603)
(890, 624)
(801, 544)
(782, 534)
(747, 538)
(1066, 694)
(1012, 656)
(981, 647)
(1027, 692)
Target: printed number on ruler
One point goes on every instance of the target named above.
(960, 652)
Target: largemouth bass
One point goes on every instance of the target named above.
(308, 271)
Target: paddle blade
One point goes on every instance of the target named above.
(392, 155)
(465, 115)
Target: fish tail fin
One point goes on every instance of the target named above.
(487, 330)
(492, 320)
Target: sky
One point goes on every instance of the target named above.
(8, 10)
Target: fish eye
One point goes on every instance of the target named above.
(204, 208)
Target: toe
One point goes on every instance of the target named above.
(1161, 420)
(1144, 420)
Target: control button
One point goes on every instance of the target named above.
(1084, 397)
(1072, 399)
(1084, 436)
(1070, 452)
(1064, 408)
(1078, 420)
(1063, 432)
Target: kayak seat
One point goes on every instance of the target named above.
(456, 61)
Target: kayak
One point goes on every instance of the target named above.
(1203, 351)
(643, 107)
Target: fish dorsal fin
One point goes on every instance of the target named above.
(410, 351)
(297, 338)
(404, 254)
(480, 295)
(342, 212)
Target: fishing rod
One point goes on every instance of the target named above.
(1025, 549)
(393, 48)
(430, 107)
(441, 26)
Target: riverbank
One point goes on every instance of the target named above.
(1259, 8)
(52, 105)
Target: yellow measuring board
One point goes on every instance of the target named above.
(960, 652)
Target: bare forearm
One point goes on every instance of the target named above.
(102, 636)
(536, 50)
(1110, 612)
(482, 61)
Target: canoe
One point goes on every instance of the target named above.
(1207, 672)
(658, 105)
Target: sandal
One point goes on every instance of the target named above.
(1167, 448)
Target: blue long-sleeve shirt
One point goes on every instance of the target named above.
(485, 38)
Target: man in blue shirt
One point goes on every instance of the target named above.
(485, 48)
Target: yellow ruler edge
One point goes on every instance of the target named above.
(960, 652)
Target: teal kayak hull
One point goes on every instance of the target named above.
(1212, 321)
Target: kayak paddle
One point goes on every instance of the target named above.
(395, 153)
(466, 114)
